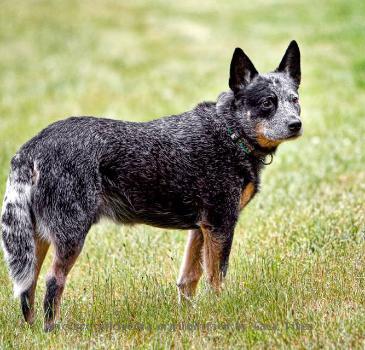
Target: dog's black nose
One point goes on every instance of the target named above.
(295, 125)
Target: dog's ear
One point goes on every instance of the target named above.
(290, 63)
(242, 71)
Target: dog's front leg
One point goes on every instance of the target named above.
(191, 267)
(216, 250)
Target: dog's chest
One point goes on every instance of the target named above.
(247, 193)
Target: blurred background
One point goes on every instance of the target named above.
(139, 60)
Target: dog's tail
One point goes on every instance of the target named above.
(17, 225)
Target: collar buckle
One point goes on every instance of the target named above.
(234, 136)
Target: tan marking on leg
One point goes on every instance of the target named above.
(211, 257)
(191, 267)
(59, 271)
(246, 195)
(41, 249)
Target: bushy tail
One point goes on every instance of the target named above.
(17, 227)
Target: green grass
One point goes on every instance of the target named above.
(297, 273)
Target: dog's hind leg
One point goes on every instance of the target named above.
(191, 267)
(65, 256)
(27, 297)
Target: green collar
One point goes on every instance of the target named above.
(247, 148)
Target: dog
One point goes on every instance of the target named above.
(193, 171)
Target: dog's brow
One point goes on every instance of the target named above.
(275, 81)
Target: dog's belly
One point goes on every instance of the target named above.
(158, 212)
(168, 220)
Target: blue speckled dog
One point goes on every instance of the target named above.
(191, 171)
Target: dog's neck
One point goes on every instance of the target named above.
(236, 130)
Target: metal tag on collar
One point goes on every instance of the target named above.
(262, 160)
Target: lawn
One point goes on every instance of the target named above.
(297, 272)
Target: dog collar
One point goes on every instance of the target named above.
(247, 148)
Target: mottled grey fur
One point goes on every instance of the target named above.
(178, 172)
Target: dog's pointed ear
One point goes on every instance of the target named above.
(242, 71)
(290, 63)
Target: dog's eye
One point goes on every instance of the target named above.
(267, 104)
(295, 99)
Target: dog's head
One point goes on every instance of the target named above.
(267, 104)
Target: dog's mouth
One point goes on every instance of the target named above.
(295, 135)
(269, 142)
(266, 140)
(291, 137)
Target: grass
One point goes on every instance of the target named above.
(297, 273)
